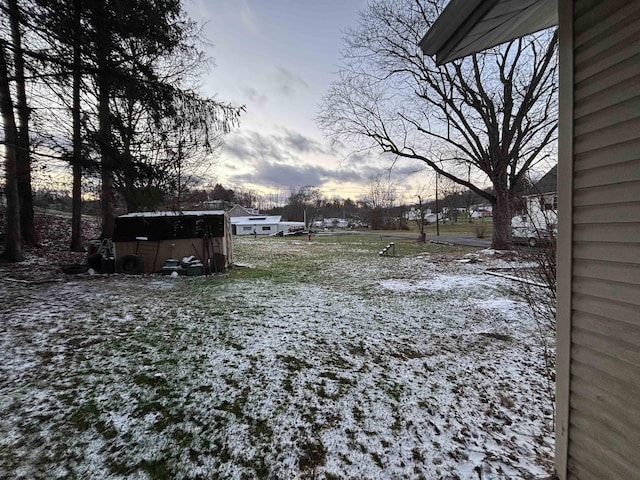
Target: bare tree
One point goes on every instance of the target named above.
(421, 221)
(305, 203)
(494, 112)
(381, 197)
(451, 193)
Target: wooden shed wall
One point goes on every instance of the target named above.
(604, 380)
(156, 253)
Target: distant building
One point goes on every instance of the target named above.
(213, 205)
(240, 211)
(331, 223)
(262, 225)
(481, 211)
(541, 201)
(414, 214)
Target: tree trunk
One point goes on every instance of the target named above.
(76, 201)
(501, 218)
(107, 192)
(23, 159)
(103, 81)
(131, 196)
(13, 239)
(421, 220)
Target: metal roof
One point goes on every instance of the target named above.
(174, 213)
(256, 220)
(470, 26)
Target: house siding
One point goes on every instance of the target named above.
(603, 415)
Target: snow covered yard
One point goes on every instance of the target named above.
(321, 360)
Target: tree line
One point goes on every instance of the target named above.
(380, 211)
(108, 87)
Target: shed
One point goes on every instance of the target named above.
(148, 239)
(598, 278)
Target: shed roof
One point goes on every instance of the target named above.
(470, 26)
(196, 213)
(158, 226)
(256, 220)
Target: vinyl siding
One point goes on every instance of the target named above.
(604, 385)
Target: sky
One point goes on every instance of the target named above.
(278, 58)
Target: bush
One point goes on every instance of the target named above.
(538, 289)
(480, 230)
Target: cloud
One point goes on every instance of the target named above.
(278, 159)
(277, 175)
(283, 145)
(247, 16)
(249, 146)
(281, 159)
(287, 82)
(253, 96)
(303, 144)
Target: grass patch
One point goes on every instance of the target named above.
(293, 363)
(84, 416)
(303, 363)
(156, 469)
(312, 455)
(498, 336)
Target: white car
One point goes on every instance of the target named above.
(530, 236)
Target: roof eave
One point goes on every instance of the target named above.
(449, 37)
(453, 23)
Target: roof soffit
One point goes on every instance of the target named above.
(466, 27)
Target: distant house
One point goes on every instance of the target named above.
(213, 205)
(144, 241)
(481, 211)
(262, 225)
(240, 211)
(429, 217)
(453, 212)
(331, 223)
(541, 201)
(414, 214)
